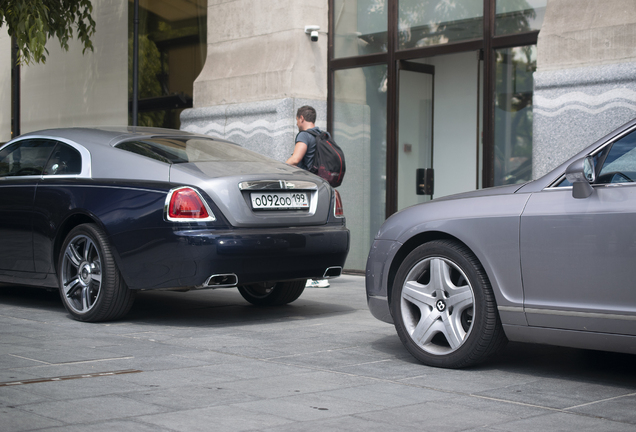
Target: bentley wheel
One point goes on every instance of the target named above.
(91, 287)
(444, 308)
(272, 293)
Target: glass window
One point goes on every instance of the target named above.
(24, 158)
(424, 23)
(620, 164)
(518, 16)
(172, 51)
(513, 114)
(64, 160)
(175, 150)
(360, 97)
(360, 27)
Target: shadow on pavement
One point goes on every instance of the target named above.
(30, 297)
(196, 308)
(220, 307)
(564, 363)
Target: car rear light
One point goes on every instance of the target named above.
(185, 204)
(337, 206)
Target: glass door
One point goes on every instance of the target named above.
(438, 127)
(415, 133)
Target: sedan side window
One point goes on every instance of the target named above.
(25, 157)
(64, 160)
(620, 163)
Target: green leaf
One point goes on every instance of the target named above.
(34, 22)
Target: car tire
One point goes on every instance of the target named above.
(91, 286)
(272, 293)
(444, 308)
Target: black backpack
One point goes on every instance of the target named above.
(329, 160)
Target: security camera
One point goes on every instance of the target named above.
(312, 31)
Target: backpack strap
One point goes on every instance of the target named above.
(317, 133)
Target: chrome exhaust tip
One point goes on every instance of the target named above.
(332, 272)
(221, 281)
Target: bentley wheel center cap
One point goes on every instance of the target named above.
(440, 305)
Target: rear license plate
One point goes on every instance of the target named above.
(279, 200)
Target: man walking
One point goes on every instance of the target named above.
(305, 147)
(303, 156)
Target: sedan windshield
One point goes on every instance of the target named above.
(184, 150)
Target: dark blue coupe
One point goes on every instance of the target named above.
(102, 213)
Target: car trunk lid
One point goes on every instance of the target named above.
(251, 194)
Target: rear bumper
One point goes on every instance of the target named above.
(166, 258)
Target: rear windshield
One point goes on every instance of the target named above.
(185, 150)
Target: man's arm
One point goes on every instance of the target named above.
(299, 153)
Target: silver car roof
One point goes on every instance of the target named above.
(111, 135)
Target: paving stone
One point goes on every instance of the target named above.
(110, 426)
(17, 420)
(218, 419)
(88, 410)
(619, 409)
(560, 422)
(211, 361)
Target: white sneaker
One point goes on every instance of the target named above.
(317, 283)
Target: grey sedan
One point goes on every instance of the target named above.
(551, 261)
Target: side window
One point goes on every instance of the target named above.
(64, 160)
(25, 158)
(620, 164)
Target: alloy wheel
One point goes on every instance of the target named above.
(81, 274)
(437, 305)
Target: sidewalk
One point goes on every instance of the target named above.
(209, 361)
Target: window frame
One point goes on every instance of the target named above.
(487, 44)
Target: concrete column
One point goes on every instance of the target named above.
(585, 83)
(5, 85)
(260, 68)
(75, 89)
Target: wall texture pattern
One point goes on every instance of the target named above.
(575, 107)
(267, 127)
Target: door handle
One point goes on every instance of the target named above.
(425, 181)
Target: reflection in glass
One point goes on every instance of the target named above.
(186, 150)
(518, 16)
(620, 163)
(360, 129)
(25, 158)
(172, 50)
(360, 27)
(513, 114)
(432, 22)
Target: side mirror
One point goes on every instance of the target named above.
(581, 173)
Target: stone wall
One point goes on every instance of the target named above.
(75, 89)
(260, 67)
(267, 127)
(585, 83)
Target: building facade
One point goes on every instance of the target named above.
(426, 97)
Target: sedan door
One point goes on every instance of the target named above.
(578, 256)
(21, 167)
